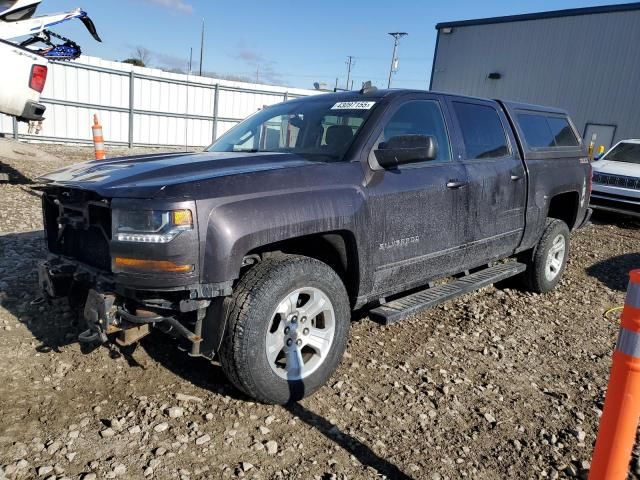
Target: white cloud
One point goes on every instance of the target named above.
(178, 5)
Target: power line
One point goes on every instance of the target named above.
(404, 59)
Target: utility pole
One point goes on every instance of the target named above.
(350, 63)
(202, 46)
(186, 107)
(258, 73)
(394, 60)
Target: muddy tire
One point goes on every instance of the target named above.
(287, 328)
(548, 260)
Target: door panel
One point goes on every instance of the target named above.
(497, 206)
(497, 181)
(417, 222)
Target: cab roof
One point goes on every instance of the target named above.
(375, 94)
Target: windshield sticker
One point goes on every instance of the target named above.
(353, 106)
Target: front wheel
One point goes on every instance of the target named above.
(549, 258)
(288, 326)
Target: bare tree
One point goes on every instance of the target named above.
(142, 54)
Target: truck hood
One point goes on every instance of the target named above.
(145, 175)
(617, 168)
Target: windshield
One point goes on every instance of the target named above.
(321, 128)
(624, 152)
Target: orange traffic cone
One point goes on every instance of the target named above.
(619, 422)
(98, 139)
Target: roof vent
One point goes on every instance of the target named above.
(494, 76)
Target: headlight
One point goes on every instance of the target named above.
(150, 226)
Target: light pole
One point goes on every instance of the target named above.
(396, 36)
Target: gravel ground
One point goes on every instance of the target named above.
(498, 384)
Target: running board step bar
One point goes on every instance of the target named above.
(403, 307)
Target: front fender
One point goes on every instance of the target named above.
(243, 224)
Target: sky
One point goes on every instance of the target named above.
(293, 43)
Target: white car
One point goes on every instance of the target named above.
(22, 81)
(616, 179)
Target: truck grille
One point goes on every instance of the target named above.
(79, 227)
(616, 180)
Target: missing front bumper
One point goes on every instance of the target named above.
(100, 315)
(55, 280)
(105, 315)
(130, 314)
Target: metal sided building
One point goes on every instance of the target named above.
(584, 60)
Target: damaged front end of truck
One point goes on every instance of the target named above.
(131, 265)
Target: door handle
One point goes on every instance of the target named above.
(515, 177)
(455, 184)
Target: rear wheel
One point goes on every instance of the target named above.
(548, 260)
(287, 329)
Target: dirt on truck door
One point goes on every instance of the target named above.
(497, 180)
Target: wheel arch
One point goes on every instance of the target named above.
(565, 206)
(338, 249)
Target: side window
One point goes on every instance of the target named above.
(544, 131)
(482, 131)
(562, 132)
(536, 130)
(419, 117)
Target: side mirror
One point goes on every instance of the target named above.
(404, 149)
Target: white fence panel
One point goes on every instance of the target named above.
(75, 123)
(224, 127)
(236, 105)
(155, 130)
(142, 106)
(6, 125)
